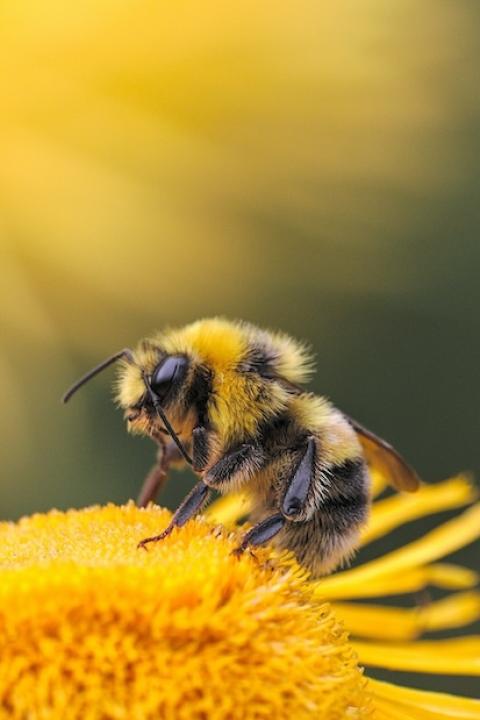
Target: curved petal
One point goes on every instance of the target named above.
(394, 623)
(396, 510)
(447, 538)
(460, 656)
(443, 575)
(378, 483)
(228, 509)
(395, 701)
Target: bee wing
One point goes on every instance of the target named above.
(382, 456)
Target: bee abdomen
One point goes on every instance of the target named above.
(347, 479)
(340, 514)
(337, 510)
(320, 549)
(345, 497)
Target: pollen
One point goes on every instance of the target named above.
(91, 627)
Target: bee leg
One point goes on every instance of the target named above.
(157, 476)
(261, 533)
(152, 484)
(189, 507)
(299, 486)
(200, 448)
(235, 467)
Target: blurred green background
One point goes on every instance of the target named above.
(307, 166)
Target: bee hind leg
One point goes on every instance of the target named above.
(261, 533)
(300, 483)
(195, 499)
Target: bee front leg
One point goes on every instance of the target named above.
(236, 467)
(195, 499)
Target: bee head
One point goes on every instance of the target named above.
(151, 383)
(155, 385)
(229, 376)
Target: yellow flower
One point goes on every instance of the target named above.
(91, 627)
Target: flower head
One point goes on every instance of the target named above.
(91, 627)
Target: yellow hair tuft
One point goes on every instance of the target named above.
(216, 341)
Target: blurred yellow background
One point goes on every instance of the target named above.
(307, 166)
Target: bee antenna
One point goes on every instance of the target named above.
(125, 353)
(166, 422)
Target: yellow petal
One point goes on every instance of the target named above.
(460, 656)
(398, 509)
(378, 622)
(451, 577)
(451, 612)
(392, 623)
(387, 710)
(441, 541)
(378, 483)
(443, 575)
(410, 702)
(229, 509)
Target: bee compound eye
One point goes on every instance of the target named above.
(166, 374)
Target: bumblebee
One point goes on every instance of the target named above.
(228, 399)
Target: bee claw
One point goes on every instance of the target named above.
(156, 538)
(239, 551)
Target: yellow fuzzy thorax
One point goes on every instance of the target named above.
(219, 343)
(223, 344)
(240, 401)
(239, 406)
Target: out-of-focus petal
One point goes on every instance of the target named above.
(378, 483)
(395, 701)
(442, 575)
(460, 656)
(398, 509)
(441, 541)
(451, 577)
(228, 509)
(394, 623)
